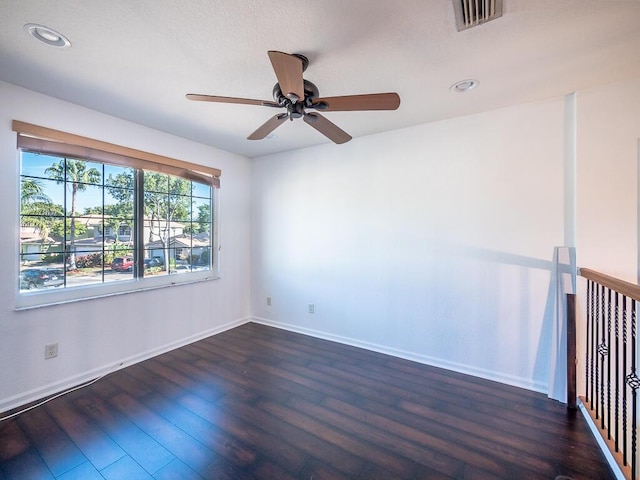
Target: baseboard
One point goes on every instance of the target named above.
(415, 357)
(614, 460)
(25, 398)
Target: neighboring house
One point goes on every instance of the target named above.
(98, 236)
(181, 246)
(152, 230)
(33, 245)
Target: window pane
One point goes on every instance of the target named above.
(155, 182)
(200, 190)
(118, 176)
(120, 264)
(118, 202)
(40, 192)
(204, 228)
(87, 199)
(35, 164)
(89, 268)
(178, 260)
(179, 186)
(201, 211)
(44, 276)
(119, 192)
(180, 207)
(154, 263)
(205, 258)
(78, 172)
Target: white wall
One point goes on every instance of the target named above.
(95, 335)
(433, 242)
(608, 135)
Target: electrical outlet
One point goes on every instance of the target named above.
(268, 301)
(50, 351)
(312, 308)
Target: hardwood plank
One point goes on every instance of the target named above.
(400, 466)
(214, 386)
(276, 448)
(27, 464)
(193, 453)
(176, 469)
(96, 445)
(314, 446)
(221, 469)
(57, 450)
(285, 381)
(414, 438)
(378, 431)
(141, 447)
(13, 441)
(348, 384)
(463, 422)
(226, 446)
(85, 471)
(125, 469)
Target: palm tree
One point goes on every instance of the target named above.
(35, 206)
(77, 176)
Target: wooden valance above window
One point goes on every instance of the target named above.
(55, 142)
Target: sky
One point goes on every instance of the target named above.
(34, 165)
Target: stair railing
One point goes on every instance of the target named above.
(611, 368)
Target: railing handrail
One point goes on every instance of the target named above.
(628, 289)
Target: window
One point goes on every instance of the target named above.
(94, 218)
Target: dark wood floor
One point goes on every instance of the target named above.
(258, 402)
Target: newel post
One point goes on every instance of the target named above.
(571, 352)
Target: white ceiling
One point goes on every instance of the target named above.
(137, 60)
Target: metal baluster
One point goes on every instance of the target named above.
(586, 345)
(617, 374)
(601, 351)
(634, 383)
(624, 390)
(590, 343)
(595, 349)
(607, 349)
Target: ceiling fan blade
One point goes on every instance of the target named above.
(327, 128)
(288, 70)
(372, 101)
(268, 127)
(245, 101)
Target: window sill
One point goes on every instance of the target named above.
(54, 296)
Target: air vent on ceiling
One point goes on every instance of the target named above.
(470, 13)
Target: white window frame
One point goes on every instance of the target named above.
(49, 141)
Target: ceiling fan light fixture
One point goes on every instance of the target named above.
(464, 85)
(47, 35)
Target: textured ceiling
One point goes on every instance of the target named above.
(137, 60)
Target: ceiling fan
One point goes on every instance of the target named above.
(296, 95)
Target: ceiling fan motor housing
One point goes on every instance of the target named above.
(310, 94)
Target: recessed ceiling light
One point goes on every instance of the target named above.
(47, 35)
(464, 85)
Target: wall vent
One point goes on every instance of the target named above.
(470, 13)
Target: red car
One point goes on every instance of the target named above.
(122, 264)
